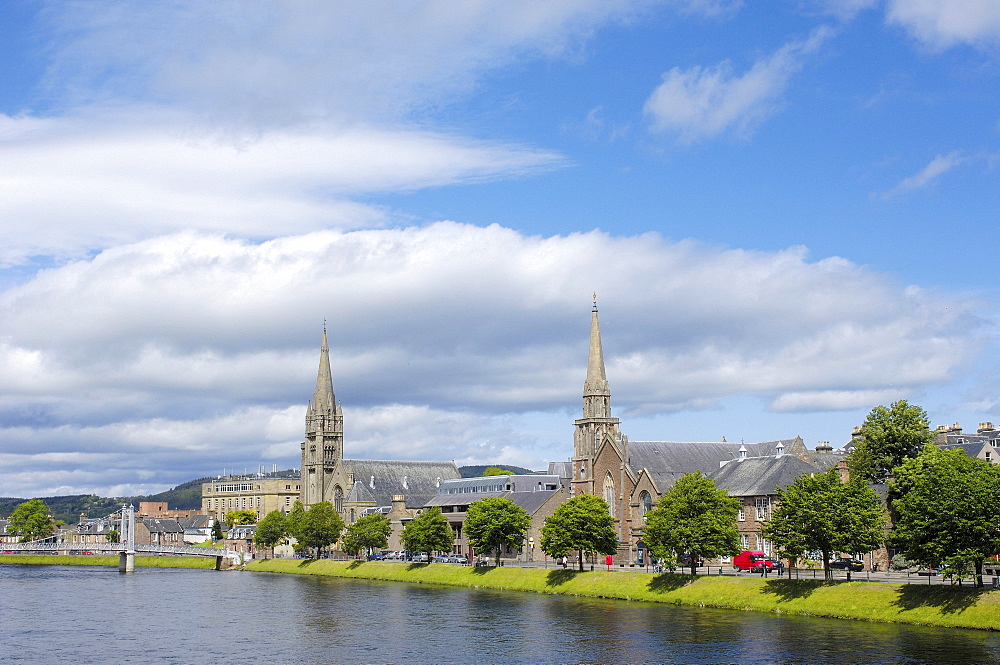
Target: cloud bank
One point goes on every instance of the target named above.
(196, 351)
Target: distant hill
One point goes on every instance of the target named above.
(186, 496)
(477, 471)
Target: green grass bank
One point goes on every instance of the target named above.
(946, 606)
(96, 560)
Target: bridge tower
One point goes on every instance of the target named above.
(126, 560)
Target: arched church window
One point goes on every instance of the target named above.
(338, 499)
(645, 502)
(609, 493)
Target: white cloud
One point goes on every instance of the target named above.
(700, 103)
(73, 185)
(275, 63)
(195, 352)
(927, 175)
(941, 24)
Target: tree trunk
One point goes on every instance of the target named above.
(827, 573)
(581, 559)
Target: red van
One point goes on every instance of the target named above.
(753, 561)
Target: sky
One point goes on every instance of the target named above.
(788, 211)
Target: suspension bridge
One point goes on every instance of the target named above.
(126, 548)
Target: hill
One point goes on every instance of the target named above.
(477, 470)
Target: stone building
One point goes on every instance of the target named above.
(538, 494)
(631, 476)
(259, 492)
(354, 486)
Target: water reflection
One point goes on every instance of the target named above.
(64, 614)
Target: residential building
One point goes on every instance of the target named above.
(259, 492)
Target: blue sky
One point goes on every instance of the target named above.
(788, 211)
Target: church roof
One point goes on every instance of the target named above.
(760, 476)
(667, 461)
(417, 481)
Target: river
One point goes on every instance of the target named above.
(73, 614)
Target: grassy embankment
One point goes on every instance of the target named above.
(97, 560)
(937, 605)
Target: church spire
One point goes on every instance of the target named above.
(596, 393)
(324, 400)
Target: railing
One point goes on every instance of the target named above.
(117, 547)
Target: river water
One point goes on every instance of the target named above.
(70, 614)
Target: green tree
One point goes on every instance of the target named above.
(295, 518)
(693, 519)
(492, 523)
(240, 517)
(271, 530)
(890, 435)
(428, 532)
(496, 471)
(947, 510)
(31, 521)
(818, 512)
(367, 533)
(217, 534)
(320, 527)
(583, 524)
(113, 536)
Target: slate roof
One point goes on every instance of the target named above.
(418, 481)
(667, 461)
(530, 501)
(162, 525)
(195, 522)
(760, 476)
(562, 469)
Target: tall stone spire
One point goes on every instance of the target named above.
(596, 426)
(324, 400)
(596, 393)
(323, 447)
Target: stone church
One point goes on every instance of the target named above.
(631, 476)
(355, 486)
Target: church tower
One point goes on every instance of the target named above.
(597, 425)
(324, 444)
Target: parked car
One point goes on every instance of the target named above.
(420, 558)
(442, 558)
(847, 563)
(458, 558)
(753, 561)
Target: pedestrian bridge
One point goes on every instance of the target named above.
(126, 550)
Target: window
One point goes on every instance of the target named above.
(745, 540)
(742, 514)
(609, 494)
(645, 502)
(764, 545)
(338, 499)
(763, 505)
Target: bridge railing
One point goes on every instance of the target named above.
(117, 547)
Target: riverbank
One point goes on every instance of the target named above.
(945, 606)
(200, 562)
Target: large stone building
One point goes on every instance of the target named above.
(356, 486)
(538, 494)
(631, 476)
(259, 492)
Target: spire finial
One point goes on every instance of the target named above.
(595, 301)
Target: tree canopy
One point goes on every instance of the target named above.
(271, 530)
(947, 510)
(821, 513)
(583, 524)
(31, 521)
(694, 519)
(318, 527)
(497, 471)
(428, 532)
(491, 524)
(890, 435)
(239, 517)
(367, 533)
